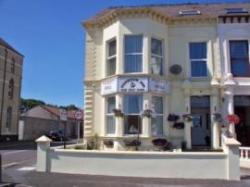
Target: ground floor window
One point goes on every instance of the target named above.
(8, 117)
(157, 117)
(132, 109)
(110, 118)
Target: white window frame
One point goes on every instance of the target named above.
(156, 55)
(142, 57)
(107, 114)
(108, 58)
(133, 114)
(201, 59)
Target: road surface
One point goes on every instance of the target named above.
(19, 168)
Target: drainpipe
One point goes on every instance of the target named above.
(3, 90)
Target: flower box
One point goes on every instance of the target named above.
(178, 125)
(108, 143)
(132, 143)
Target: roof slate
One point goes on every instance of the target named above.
(172, 11)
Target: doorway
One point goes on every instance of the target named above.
(201, 130)
(242, 109)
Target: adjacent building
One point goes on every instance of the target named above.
(43, 119)
(11, 63)
(150, 68)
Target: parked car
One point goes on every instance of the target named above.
(57, 135)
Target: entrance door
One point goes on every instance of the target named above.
(242, 109)
(200, 109)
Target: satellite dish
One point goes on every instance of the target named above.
(175, 69)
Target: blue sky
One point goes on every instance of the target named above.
(49, 34)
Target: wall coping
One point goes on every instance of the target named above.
(102, 152)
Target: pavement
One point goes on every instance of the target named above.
(19, 171)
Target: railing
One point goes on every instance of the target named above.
(245, 153)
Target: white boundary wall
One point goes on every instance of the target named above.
(195, 165)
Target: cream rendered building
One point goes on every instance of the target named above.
(165, 60)
(11, 62)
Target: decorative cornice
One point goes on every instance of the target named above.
(110, 18)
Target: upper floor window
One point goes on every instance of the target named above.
(133, 53)
(157, 119)
(11, 89)
(198, 59)
(239, 57)
(156, 56)
(111, 57)
(132, 110)
(12, 68)
(110, 118)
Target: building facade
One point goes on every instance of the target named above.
(164, 72)
(43, 119)
(11, 63)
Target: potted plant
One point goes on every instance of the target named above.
(178, 125)
(147, 113)
(108, 143)
(161, 143)
(132, 142)
(118, 113)
(173, 117)
(187, 117)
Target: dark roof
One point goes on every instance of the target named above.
(172, 10)
(5, 44)
(56, 111)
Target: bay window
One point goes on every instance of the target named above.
(111, 57)
(156, 56)
(157, 117)
(110, 118)
(133, 53)
(132, 110)
(198, 59)
(239, 58)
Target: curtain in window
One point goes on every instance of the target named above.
(112, 48)
(110, 118)
(133, 53)
(110, 125)
(198, 68)
(157, 118)
(132, 104)
(198, 50)
(132, 108)
(156, 47)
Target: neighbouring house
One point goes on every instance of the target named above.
(42, 119)
(11, 65)
(168, 71)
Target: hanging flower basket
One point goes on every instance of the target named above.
(132, 143)
(217, 118)
(108, 143)
(147, 113)
(187, 117)
(160, 142)
(178, 125)
(118, 113)
(173, 117)
(233, 118)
